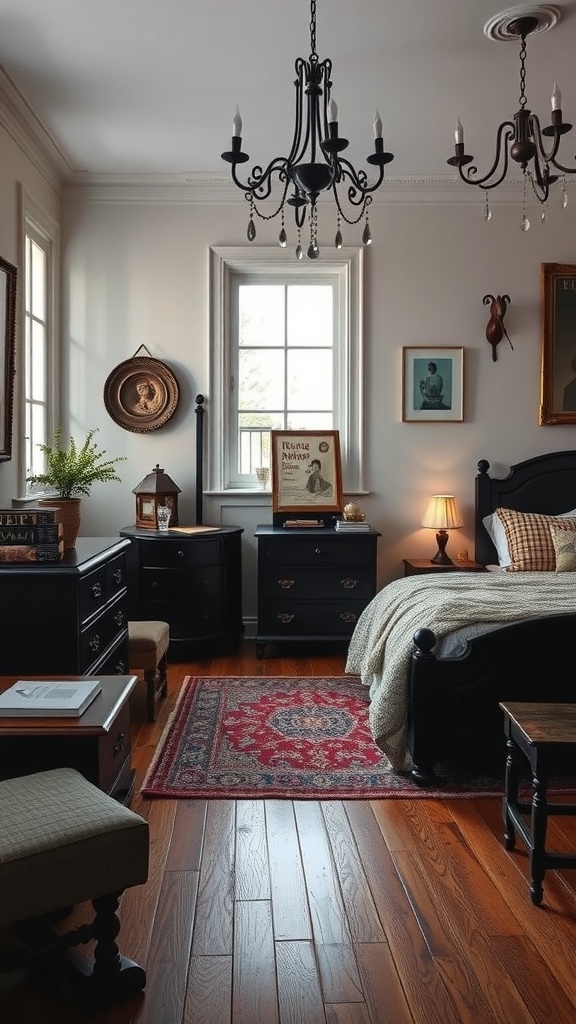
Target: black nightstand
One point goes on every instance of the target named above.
(313, 583)
(422, 566)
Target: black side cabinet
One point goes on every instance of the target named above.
(312, 583)
(191, 581)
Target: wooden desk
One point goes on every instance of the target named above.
(545, 734)
(97, 743)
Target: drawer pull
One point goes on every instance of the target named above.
(119, 618)
(348, 616)
(348, 583)
(285, 584)
(120, 743)
(96, 589)
(117, 574)
(181, 553)
(94, 642)
(317, 551)
(285, 617)
(120, 668)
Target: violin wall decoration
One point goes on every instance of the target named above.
(495, 329)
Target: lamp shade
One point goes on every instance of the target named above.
(442, 513)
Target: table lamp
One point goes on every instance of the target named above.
(441, 515)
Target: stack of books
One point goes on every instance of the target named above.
(351, 526)
(31, 535)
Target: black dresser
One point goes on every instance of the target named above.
(192, 581)
(70, 616)
(312, 583)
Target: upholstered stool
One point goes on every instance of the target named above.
(148, 650)
(64, 841)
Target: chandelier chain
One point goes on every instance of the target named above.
(313, 28)
(523, 73)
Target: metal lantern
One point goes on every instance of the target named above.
(155, 490)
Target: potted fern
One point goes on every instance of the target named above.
(70, 473)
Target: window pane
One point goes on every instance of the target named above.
(310, 379)
(261, 379)
(38, 363)
(261, 314)
(310, 421)
(310, 315)
(38, 268)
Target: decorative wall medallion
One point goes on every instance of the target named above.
(141, 394)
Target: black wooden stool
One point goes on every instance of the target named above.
(546, 735)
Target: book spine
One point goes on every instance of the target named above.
(49, 533)
(31, 552)
(33, 517)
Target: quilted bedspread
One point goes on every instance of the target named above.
(381, 644)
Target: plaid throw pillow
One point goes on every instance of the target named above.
(564, 548)
(530, 539)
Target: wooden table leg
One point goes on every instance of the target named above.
(539, 824)
(510, 792)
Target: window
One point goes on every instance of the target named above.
(285, 354)
(39, 357)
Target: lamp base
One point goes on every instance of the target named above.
(441, 558)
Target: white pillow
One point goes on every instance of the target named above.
(496, 532)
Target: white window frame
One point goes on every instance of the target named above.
(346, 265)
(43, 229)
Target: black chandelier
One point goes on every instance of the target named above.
(314, 164)
(521, 140)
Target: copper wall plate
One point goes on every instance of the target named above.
(141, 394)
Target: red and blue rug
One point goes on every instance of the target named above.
(289, 738)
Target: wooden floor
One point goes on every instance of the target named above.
(379, 912)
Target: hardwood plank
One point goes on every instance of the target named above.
(299, 991)
(339, 973)
(167, 963)
(544, 1002)
(252, 877)
(187, 835)
(363, 921)
(209, 992)
(254, 990)
(382, 987)
(213, 930)
(288, 890)
(348, 1013)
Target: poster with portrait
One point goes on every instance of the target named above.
(306, 471)
(558, 378)
(432, 385)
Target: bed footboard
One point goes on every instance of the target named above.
(453, 708)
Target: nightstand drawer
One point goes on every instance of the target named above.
(181, 554)
(315, 551)
(197, 584)
(322, 583)
(300, 618)
(101, 633)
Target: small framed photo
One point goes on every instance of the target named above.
(432, 385)
(306, 471)
(558, 378)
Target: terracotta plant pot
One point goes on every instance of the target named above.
(69, 509)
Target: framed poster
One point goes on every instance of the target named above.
(306, 471)
(558, 377)
(8, 275)
(432, 385)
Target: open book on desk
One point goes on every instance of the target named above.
(30, 698)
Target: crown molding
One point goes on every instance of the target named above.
(24, 126)
(218, 189)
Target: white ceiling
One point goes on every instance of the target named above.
(150, 86)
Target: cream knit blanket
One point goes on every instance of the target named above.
(381, 644)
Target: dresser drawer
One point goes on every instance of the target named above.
(322, 583)
(92, 593)
(301, 618)
(115, 661)
(315, 551)
(192, 619)
(100, 633)
(116, 576)
(180, 553)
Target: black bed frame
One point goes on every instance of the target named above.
(453, 711)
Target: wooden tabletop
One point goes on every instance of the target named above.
(98, 717)
(543, 723)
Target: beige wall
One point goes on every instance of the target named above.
(135, 272)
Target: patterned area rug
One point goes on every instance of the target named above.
(300, 739)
